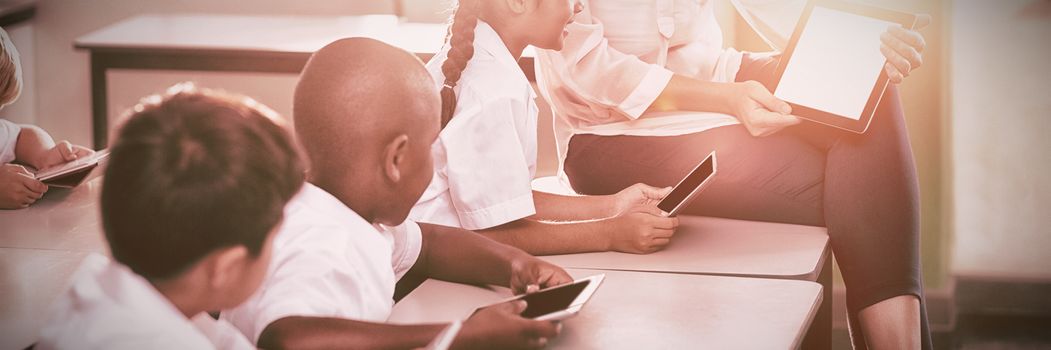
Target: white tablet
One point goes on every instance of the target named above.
(559, 302)
(832, 70)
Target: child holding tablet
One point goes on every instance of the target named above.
(366, 114)
(486, 152)
(24, 144)
(191, 198)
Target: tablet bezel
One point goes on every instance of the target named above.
(907, 20)
(696, 190)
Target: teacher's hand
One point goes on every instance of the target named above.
(903, 49)
(758, 110)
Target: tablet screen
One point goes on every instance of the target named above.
(552, 300)
(687, 185)
(836, 62)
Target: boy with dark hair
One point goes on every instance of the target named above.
(195, 188)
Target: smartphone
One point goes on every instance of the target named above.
(689, 187)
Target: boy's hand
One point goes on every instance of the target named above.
(641, 230)
(636, 195)
(18, 187)
(529, 274)
(63, 152)
(501, 327)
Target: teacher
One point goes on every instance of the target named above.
(644, 89)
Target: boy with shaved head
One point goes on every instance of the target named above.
(366, 114)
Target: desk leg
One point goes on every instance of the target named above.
(99, 110)
(819, 336)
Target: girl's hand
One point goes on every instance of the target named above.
(18, 187)
(758, 110)
(641, 230)
(63, 152)
(903, 49)
(529, 274)
(636, 195)
(501, 327)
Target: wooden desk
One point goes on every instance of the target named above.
(30, 280)
(272, 44)
(64, 219)
(635, 310)
(16, 11)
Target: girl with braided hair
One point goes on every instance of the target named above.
(485, 155)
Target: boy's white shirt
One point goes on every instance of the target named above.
(328, 261)
(485, 157)
(8, 139)
(110, 307)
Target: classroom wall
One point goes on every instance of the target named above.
(64, 103)
(1001, 154)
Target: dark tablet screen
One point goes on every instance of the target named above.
(552, 300)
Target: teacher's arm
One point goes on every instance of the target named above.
(589, 71)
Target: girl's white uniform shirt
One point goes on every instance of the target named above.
(328, 261)
(620, 54)
(111, 307)
(8, 139)
(485, 157)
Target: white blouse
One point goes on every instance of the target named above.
(620, 54)
(485, 157)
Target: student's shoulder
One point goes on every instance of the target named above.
(484, 78)
(488, 77)
(118, 328)
(315, 224)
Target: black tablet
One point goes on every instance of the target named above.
(687, 189)
(559, 302)
(831, 72)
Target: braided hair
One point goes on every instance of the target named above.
(10, 70)
(461, 49)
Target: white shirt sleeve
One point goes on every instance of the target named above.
(588, 70)
(309, 276)
(486, 161)
(408, 241)
(221, 333)
(8, 139)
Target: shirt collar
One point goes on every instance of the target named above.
(488, 42)
(329, 206)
